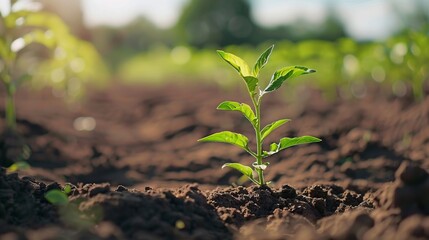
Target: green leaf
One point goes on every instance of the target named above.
(5, 52)
(43, 20)
(289, 142)
(57, 197)
(37, 36)
(251, 83)
(239, 64)
(245, 170)
(67, 189)
(44, 38)
(262, 61)
(47, 21)
(286, 73)
(272, 126)
(10, 21)
(241, 107)
(21, 165)
(228, 137)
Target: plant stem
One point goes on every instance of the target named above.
(6, 77)
(10, 107)
(257, 105)
(418, 86)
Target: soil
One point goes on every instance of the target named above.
(141, 174)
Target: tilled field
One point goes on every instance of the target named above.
(141, 174)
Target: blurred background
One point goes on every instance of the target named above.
(353, 44)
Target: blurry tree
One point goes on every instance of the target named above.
(118, 44)
(330, 29)
(414, 14)
(216, 23)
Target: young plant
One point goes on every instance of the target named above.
(69, 62)
(59, 197)
(69, 211)
(10, 48)
(73, 60)
(250, 77)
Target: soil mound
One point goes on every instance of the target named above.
(399, 210)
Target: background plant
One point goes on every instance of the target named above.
(69, 211)
(250, 77)
(398, 65)
(68, 62)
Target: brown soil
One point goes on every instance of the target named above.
(140, 174)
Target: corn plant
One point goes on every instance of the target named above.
(250, 77)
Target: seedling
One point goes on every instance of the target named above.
(58, 197)
(72, 61)
(69, 211)
(11, 46)
(21, 165)
(250, 77)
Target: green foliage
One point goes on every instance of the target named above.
(289, 142)
(245, 109)
(262, 61)
(245, 170)
(284, 74)
(398, 66)
(20, 165)
(254, 116)
(271, 127)
(75, 65)
(69, 211)
(236, 62)
(228, 137)
(57, 197)
(74, 61)
(67, 189)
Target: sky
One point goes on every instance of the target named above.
(364, 19)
